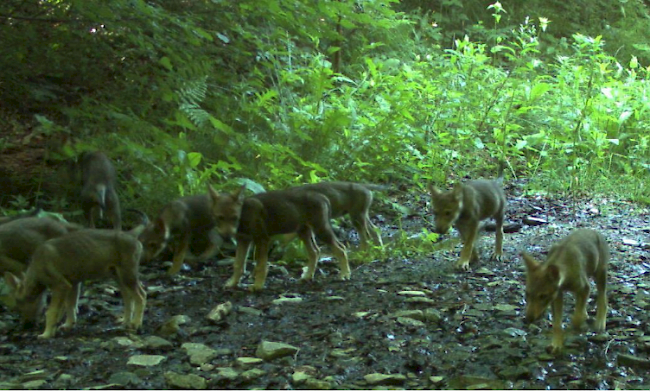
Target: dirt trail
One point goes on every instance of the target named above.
(410, 317)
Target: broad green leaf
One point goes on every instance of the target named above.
(538, 90)
(166, 62)
(194, 158)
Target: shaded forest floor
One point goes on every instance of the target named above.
(412, 318)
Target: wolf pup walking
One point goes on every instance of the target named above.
(181, 221)
(98, 194)
(62, 264)
(20, 238)
(570, 264)
(254, 220)
(353, 199)
(465, 206)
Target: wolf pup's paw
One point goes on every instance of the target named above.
(231, 283)
(463, 265)
(46, 335)
(256, 288)
(345, 275)
(497, 256)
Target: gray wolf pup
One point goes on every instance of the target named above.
(179, 222)
(256, 219)
(465, 206)
(570, 263)
(353, 199)
(98, 194)
(62, 264)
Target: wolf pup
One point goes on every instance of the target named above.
(20, 238)
(62, 264)
(570, 263)
(98, 194)
(465, 206)
(353, 199)
(180, 221)
(254, 220)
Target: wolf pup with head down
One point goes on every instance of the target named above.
(98, 194)
(183, 219)
(568, 267)
(464, 207)
(256, 219)
(62, 264)
(353, 199)
(20, 238)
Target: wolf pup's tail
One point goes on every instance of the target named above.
(101, 199)
(502, 169)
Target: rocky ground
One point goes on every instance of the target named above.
(406, 320)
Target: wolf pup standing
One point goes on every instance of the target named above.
(568, 267)
(20, 238)
(98, 194)
(465, 206)
(353, 199)
(62, 264)
(254, 220)
(183, 219)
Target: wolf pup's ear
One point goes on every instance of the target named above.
(214, 195)
(12, 281)
(531, 263)
(433, 190)
(239, 194)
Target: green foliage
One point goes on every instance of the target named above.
(185, 94)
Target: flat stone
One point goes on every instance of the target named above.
(414, 314)
(145, 360)
(271, 350)
(157, 343)
(514, 332)
(248, 361)
(384, 379)
(173, 325)
(199, 353)
(34, 384)
(299, 378)
(227, 373)
(515, 372)
(219, 312)
(412, 293)
(103, 386)
(124, 378)
(286, 300)
(432, 315)
(409, 322)
(185, 381)
(35, 375)
(420, 300)
(252, 374)
(251, 311)
(313, 383)
(341, 353)
(633, 361)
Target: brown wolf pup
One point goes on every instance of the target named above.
(98, 192)
(20, 238)
(62, 264)
(353, 199)
(254, 220)
(180, 221)
(568, 267)
(465, 206)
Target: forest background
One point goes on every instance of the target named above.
(274, 93)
